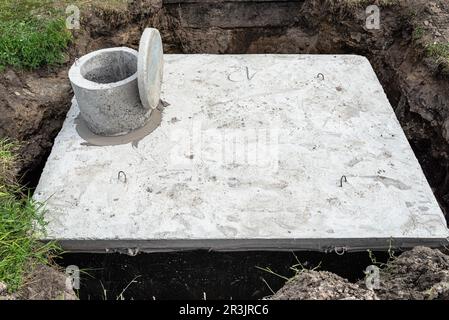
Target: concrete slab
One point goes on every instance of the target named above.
(253, 152)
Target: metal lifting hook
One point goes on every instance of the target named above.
(121, 173)
(340, 250)
(343, 179)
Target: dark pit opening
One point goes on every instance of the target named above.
(203, 274)
(110, 67)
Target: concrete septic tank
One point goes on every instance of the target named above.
(266, 152)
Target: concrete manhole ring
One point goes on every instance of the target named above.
(106, 90)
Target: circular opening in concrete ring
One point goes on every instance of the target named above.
(109, 66)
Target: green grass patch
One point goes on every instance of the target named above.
(21, 220)
(418, 33)
(33, 43)
(32, 34)
(7, 149)
(439, 51)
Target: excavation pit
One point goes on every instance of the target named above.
(254, 152)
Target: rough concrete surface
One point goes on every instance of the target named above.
(254, 151)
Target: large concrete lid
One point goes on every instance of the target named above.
(150, 67)
(254, 152)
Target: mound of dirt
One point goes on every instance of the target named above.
(418, 274)
(44, 283)
(321, 285)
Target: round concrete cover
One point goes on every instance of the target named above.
(150, 67)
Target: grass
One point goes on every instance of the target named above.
(32, 43)
(439, 51)
(296, 268)
(418, 33)
(32, 34)
(21, 219)
(7, 149)
(423, 38)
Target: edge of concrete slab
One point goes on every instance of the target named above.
(323, 245)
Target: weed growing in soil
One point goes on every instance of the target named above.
(20, 220)
(296, 268)
(440, 51)
(418, 33)
(32, 34)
